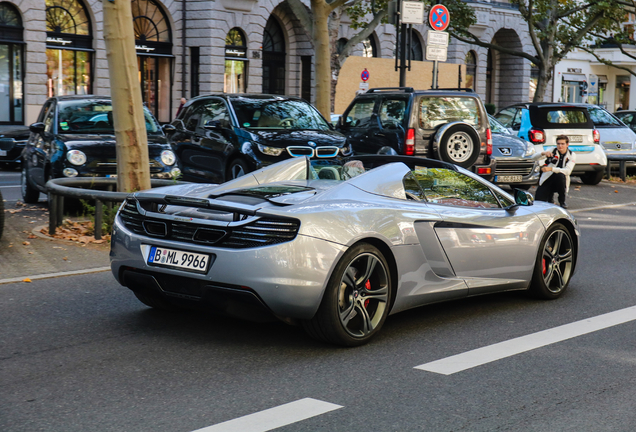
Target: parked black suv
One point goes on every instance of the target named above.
(449, 125)
(223, 136)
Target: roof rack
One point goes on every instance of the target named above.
(380, 89)
(464, 89)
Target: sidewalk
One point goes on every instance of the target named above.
(24, 254)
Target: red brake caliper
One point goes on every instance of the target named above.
(367, 285)
(544, 268)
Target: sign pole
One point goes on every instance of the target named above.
(434, 84)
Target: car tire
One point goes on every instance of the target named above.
(30, 194)
(236, 169)
(552, 271)
(593, 178)
(154, 301)
(460, 146)
(353, 308)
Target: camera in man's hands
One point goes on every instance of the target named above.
(551, 160)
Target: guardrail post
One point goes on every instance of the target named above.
(608, 170)
(59, 218)
(98, 220)
(622, 170)
(52, 213)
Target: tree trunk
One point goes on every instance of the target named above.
(542, 84)
(133, 167)
(321, 12)
(333, 28)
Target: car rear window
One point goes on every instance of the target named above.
(600, 117)
(559, 117)
(435, 111)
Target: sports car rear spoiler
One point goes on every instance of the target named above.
(205, 203)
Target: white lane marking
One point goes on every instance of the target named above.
(487, 354)
(602, 207)
(54, 275)
(276, 417)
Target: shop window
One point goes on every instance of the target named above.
(69, 52)
(274, 58)
(471, 69)
(369, 47)
(11, 69)
(235, 78)
(153, 42)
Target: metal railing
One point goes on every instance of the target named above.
(82, 188)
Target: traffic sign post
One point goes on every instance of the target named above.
(437, 40)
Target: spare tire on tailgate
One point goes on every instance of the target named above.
(460, 145)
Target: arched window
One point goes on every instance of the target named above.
(11, 70)
(471, 69)
(69, 51)
(235, 62)
(417, 53)
(369, 47)
(153, 41)
(273, 58)
(340, 44)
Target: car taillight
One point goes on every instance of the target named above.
(409, 143)
(597, 136)
(537, 136)
(488, 142)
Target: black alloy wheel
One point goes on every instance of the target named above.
(356, 300)
(555, 263)
(237, 168)
(30, 194)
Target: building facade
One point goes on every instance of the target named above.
(56, 47)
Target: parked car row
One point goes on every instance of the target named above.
(217, 138)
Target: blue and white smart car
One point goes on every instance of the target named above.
(541, 123)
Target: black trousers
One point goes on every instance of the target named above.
(553, 184)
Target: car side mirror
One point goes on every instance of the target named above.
(217, 124)
(523, 198)
(37, 127)
(168, 128)
(177, 124)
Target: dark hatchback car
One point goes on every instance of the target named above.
(448, 125)
(12, 142)
(74, 137)
(221, 137)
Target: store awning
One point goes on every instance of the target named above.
(602, 78)
(574, 77)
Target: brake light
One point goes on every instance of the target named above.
(597, 136)
(409, 143)
(537, 136)
(484, 170)
(488, 142)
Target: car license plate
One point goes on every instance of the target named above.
(575, 138)
(508, 179)
(178, 259)
(3, 152)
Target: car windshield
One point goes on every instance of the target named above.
(600, 117)
(94, 117)
(497, 127)
(256, 113)
(435, 111)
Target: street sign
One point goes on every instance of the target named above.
(436, 53)
(364, 76)
(364, 86)
(592, 89)
(438, 38)
(412, 12)
(439, 18)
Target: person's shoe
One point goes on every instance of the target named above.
(564, 205)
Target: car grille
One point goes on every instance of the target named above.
(321, 152)
(514, 168)
(262, 232)
(110, 167)
(617, 146)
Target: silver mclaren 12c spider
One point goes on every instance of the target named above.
(338, 245)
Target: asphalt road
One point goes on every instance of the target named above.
(82, 354)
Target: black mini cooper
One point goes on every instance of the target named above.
(221, 137)
(74, 137)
